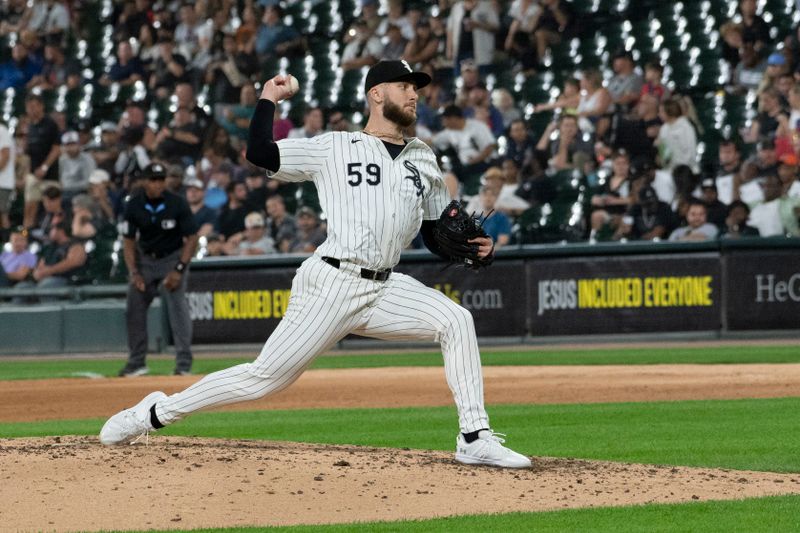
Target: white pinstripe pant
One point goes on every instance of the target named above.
(327, 304)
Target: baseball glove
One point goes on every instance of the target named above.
(453, 231)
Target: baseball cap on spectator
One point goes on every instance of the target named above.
(70, 137)
(306, 211)
(708, 183)
(647, 195)
(452, 111)
(641, 165)
(387, 71)
(107, 125)
(98, 176)
(254, 220)
(776, 58)
(789, 159)
(154, 171)
(468, 64)
(766, 144)
(52, 191)
(194, 182)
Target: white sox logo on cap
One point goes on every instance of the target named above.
(405, 64)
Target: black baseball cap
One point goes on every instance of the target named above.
(387, 71)
(154, 171)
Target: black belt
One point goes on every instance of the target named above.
(158, 255)
(375, 275)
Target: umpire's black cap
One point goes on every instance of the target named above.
(386, 71)
(154, 171)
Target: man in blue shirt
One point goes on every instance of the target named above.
(496, 224)
(274, 38)
(19, 70)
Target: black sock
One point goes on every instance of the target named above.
(472, 437)
(154, 419)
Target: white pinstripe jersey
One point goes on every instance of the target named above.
(374, 205)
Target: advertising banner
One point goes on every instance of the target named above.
(762, 289)
(624, 294)
(245, 305)
(238, 305)
(496, 297)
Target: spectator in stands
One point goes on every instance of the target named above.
(625, 85)
(133, 158)
(11, 16)
(205, 218)
(728, 164)
(169, 69)
(697, 227)
(480, 107)
(134, 117)
(43, 148)
(310, 233)
(106, 151)
(253, 240)
(468, 142)
(767, 215)
(750, 71)
(19, 70)
(8, 154)
(787, 172)
(648, 219)
(568, 100)
(57, 70)
(185, 97)
(595, 104)
(49, 18)
(732, 42)
(494, 222)
(61, 259)
(127, 69)
(614, 198)
(559, 153)
(470, 78)
(364, 50)
(504, 102)
(235, 119)
(228, 74)
(524, 15)
(53, 212)
(395, 16)
(16, 263)
(471, 28)
(86, 218)
(281, 126)
(74, 166)
(636, 133)
(677, 140)
(520, 145)
(769, 119)
(134, 17)
(337, 121)
(736, 222)
(754, 29)
(395, 43)
(274, 38)
(188, 31)
(555, 21)
(230, 219)
(716, 211)
(182, 138)
(653, 74)
(423, 46)
(766, 158)
(776, 67)
(281, 226)
(108, 201)
(257, 190)
(313, 125)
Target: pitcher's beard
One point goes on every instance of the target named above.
(395, 113)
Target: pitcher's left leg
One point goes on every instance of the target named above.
(408, 310)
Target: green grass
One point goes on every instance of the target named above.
(738, 434)
(767, 515)
(33, 369)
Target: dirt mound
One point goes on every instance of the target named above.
(74, 483)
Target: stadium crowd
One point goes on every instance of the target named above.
(616, 152)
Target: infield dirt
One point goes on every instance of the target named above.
(75, 484)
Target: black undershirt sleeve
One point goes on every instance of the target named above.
(261, 149)
(430, 241)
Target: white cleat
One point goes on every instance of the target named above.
(129, 425)
(488, 450)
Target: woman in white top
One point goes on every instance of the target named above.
(524, 14)
(677, 140)
(595, 104)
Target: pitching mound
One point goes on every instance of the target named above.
(73, 483)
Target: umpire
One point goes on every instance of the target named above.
(160, 239)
